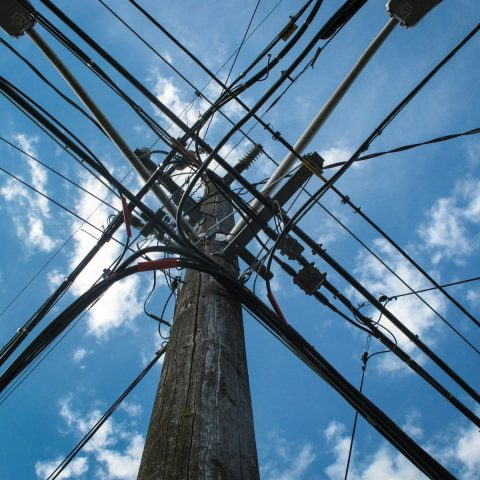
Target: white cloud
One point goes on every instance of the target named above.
(285, 460)
(447, 230)
(459, 452)
(55, 278)
(385, 463)
(76, 468)
(30, 211)
(113, 452)
(337, 154)
(473, 297)
(175, 99)
(121, 304)
(409, 310)
(131, 409)
(463, 451)
(189, 108)
(123, 465)
(79, 354)
(411, 426)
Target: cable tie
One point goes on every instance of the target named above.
(164, 264)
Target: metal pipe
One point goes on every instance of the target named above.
(310, 132)
(104, 122)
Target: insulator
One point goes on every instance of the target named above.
(247, 160)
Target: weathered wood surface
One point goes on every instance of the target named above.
(201, 425)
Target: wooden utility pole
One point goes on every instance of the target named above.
(201, 425)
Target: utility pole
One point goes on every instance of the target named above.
(201, 425)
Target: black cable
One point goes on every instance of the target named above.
(448, 296)
(290, 337)
(373, 328)
(354, 427)
(58, 204)
(365, 145)
(56, 172)
(103, 76)
(404, 148)
(459, 282)
(62, 146)
(285, 74)
(234, 60)
(162, 320)
(25, 287)
(9, 87)
(44, 79)
(412, 291)
(86, 438)
(266, 50)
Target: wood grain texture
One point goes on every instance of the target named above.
(201, 425)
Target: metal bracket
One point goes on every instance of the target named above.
(15, 19)
(314, 162)
(410, 12)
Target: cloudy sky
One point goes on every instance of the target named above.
(427, 199)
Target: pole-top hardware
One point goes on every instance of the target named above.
(15, 18)
(310, 279)
(410, 12)
(290, 247)
(288, 30)
(314, 162)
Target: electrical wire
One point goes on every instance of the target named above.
(164, 32)
(64, 244)
(59, 174)
(44, 79)
(302, 211)
(459, 282)
(443, 138)
(58, 204)
(237, 53)
(285, 74)
(373, 328)
(94, 429)
(392, 271)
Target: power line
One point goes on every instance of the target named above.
(56, 172)
(412, 291)
(58, 204)
(44, 79)
(235, 59)
(366, 144)
(94, 429)
(404, 148)
(459, 282)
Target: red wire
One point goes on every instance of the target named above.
(126, 216)
(163, 264)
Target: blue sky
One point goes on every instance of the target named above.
(427, 199)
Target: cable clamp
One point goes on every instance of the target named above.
(287, 32)
(314, 162)
(276, 136)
